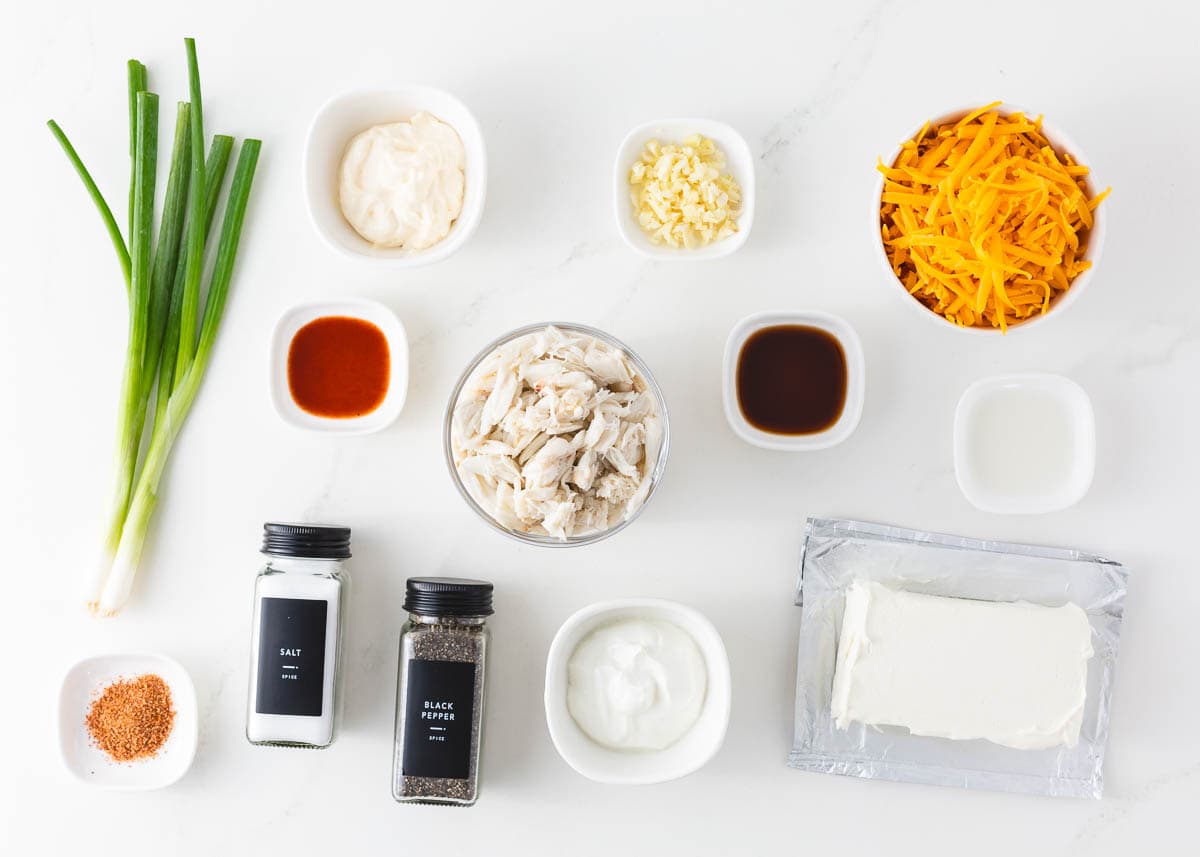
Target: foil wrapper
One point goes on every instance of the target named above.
(838, 552)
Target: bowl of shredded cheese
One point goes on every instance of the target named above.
(684, 189)
(989, 219)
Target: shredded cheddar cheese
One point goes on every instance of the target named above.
(681, 195)
(983, 221)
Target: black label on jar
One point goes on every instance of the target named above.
(438, 714)
(291, 656)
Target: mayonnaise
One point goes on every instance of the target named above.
(637, 684)
(401, 185)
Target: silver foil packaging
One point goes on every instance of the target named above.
(838, 552)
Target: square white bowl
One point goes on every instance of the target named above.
(345, 116)
(856, 381)
(689, 753)
(393, 401)
(89, 764)
(1068, 491)
(739, 162)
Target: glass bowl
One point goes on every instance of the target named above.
(537, 538)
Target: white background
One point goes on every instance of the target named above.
(819, 90)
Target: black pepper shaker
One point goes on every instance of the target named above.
(440, 691)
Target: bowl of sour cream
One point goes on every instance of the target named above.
(396, 176)
(637, 691)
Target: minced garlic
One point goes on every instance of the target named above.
(681, 195)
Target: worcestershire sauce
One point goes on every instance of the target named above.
(791, 379)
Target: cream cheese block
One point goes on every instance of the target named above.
(1012, 673)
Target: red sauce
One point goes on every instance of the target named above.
(339, 367)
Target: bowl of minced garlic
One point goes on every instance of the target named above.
(988, 219)
(128, 721)
(684, 189)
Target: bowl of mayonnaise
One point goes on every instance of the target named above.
(637, 691)
(396, 176)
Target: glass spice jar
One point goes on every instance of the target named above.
(295, 647)
(440, 691)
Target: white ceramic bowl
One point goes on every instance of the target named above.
(376, 313)
(1061, 143)
(1011, 499)
(84, 681)
(689, 753)
(856, 381)
(536, 538)
(739, 162)
(343, 117)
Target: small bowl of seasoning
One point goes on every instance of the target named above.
(127, 721)
(794, 380)
(339, 367)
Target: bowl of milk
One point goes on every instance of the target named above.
(1024, 443)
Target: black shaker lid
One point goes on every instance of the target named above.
(448, 596)
(306, 541)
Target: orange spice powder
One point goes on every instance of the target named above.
(132, 718)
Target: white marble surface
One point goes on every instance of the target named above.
(819, 90)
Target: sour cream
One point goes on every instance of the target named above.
(402, 184)
(636, 684)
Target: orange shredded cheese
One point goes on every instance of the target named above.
(983, 221)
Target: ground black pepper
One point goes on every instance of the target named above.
(440, 692)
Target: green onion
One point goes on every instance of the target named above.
(166, 257)
(165, 355)
(129, 433)
(110, 222)
(222, 275)
(218, 160)
(166, 252)
(137, 83)
(195, 242)
(145, 497)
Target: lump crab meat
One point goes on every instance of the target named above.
(557, 433)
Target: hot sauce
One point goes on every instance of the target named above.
(339, 367)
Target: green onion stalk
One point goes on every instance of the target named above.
(145, 496)
(166, 356)
(145, 134)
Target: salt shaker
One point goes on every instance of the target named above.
(440, 691)
(296, 637)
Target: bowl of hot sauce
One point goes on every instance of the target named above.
(339, 366)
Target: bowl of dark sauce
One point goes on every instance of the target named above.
(793, 380)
